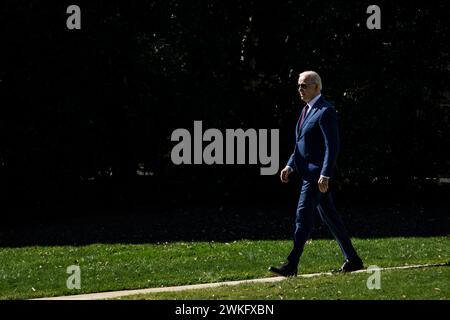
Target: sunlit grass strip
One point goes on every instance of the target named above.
(33, 272)
(430, 283)
(123, 293)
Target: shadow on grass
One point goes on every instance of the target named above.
(224, 223)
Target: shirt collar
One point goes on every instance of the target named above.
(313, 101)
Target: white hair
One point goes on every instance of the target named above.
(313, 76)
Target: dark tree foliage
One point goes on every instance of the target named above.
(84, 111)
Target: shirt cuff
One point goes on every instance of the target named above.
(324, 177)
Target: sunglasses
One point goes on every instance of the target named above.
(304, 85)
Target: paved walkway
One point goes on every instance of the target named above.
(117, 294)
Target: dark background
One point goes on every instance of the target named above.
(87, 115)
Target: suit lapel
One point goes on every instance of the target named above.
(310, 116)
(312, 111)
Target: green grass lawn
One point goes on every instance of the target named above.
(424, 283)
(32, 272)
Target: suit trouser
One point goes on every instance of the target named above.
(311, 199)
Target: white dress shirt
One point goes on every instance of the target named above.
(312, 102)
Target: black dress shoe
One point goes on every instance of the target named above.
(286, 270)
(349, 266)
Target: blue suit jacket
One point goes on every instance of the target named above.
(317, 142)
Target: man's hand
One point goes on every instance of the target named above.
(323, 184)
(284, 175)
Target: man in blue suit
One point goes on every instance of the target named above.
(314, 157)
